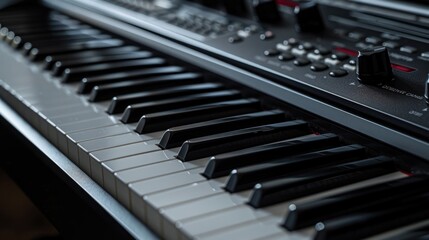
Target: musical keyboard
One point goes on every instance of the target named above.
(213, 150)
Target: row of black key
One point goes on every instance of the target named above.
(257, 147)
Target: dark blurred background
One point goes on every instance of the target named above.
(19, 218)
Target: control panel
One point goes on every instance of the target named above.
(356, 55)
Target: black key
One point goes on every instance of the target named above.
(311, 182)
(19, 41)
(27, 29)
(37, 55)
(421, 233)
(134, 112)
(223, 164)
(87, 84)
(24, 31)
(309, 213)
(174, 137)
(51, 60)
(26, 25)
(404, 211)
(162, 120)
(65, 42)
(78, 73)
(59, 66)
(230, 141)
(247, 177)
(19, 16)
(108, 91)
(119, 103)
(40, 43)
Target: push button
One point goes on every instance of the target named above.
(355, 36)
(301, 62)
(427, 91)
(291, 42)
(286, 56)
(338, 73)
(339, 56)
(271, 52)
(408, 49)
(390, 44)
(266, 35)
(318, 67)
(373, 40)
(425, 54)
(235, 39)
(322, 51)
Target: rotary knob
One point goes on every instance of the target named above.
(266, 11)
(235, 7)
(373, 66)
(208, 3)
(308, 17)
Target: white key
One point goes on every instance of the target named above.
(165, 182)
(85, 148)
(52, 112)
(124, 178)
(109, 168)
(51, 108)
(251, 231)
(219, 220)
(38, 114)
(290, 236)
(97, 157)
(42, 97)
(179, 195)
(141, 188)
(56, 124)
(164, 220)
(101, 121)
(186, 193)
(91, 134)
(190, 227)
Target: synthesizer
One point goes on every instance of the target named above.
(228, 119)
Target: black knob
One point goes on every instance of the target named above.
(427, 91)
(208, 3)
(266, 10)
(235, 7)
(373, 66)
(308, 17)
